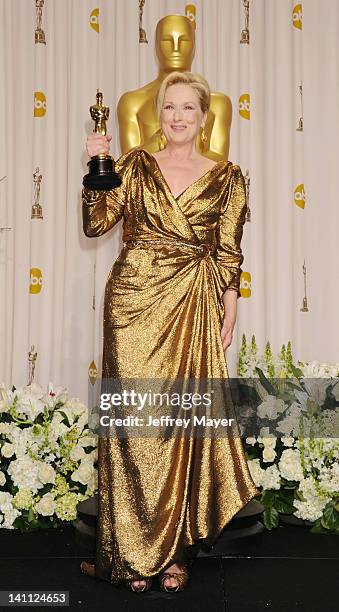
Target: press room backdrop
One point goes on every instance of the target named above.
(52, 277)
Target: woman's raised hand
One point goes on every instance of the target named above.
(97, 143)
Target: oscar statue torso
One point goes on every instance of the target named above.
(138, 123)
(99, 114)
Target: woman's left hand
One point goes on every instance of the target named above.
(227, 332)
(230, 315)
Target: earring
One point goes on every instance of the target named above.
(203, 136)
(161, 139)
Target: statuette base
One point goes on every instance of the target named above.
(101, 174)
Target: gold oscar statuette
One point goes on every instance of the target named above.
(36, 208)
(39, 33)
(142, 32)
(245, 33)
(101, 173)
(32, 356)
(300, 127)
(247, 187)
(304, 307)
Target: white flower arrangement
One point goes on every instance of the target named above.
(48, 457)
(296, 468)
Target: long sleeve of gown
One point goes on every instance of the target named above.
(101, 210)
(229, 232)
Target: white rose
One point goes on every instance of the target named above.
(268, 454)
(2, 479)
(266, 438)
(8, 450)
(46, 473)
(251, 441)
(287, 440)
(5, 499)
(289, 465)
(9, 516)
(83, 473)
(46, 505)
(269, 442)
(77, 453)
(5, 428)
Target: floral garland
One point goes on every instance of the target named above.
(297, 469)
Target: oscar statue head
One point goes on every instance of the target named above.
(175, 43)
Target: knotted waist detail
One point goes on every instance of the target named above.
(204, 248)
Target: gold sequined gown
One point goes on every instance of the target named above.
(163, 313)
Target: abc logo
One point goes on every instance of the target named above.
(297, 16)
(94, 19)
(244, 106)
(36, 281)
(245, 285)
(92, 373)
(39, 104)
(299, 196)
(190, 12)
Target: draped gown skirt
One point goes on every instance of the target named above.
(158, 497)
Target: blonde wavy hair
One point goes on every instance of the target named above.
(196, 81)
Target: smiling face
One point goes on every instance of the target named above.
(181, 115)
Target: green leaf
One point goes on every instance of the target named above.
(271, 517)
(318, 528)
(268, 497)
(66, 421)
(265, 382)
(289, 484)
(31, 516)
(284, 502)
(297, 372)
(330, 519)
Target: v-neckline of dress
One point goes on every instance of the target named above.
(189, 187)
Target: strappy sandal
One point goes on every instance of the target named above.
(180, 577)
(139, 589)
(87, 568)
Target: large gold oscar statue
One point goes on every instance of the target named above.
(138, 123)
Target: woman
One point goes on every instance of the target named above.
(170, 310)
